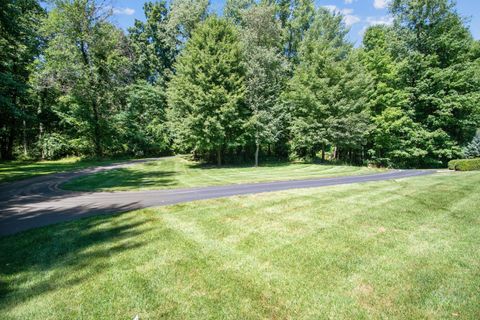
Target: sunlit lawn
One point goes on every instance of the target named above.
(181, 173)
(403, 249)
(18, 170)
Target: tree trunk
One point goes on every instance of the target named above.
(219, 157)
(323, 152)
(11, 138)
(25, 152)
(40, 124)
(42, 149)
(97, 138)
(257, 149)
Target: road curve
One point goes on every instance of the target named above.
(39, 202)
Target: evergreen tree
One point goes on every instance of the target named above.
(472, 150)
(206, 96)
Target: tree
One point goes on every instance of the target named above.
(19, 43)
(326, 95)
(153, 43)
(265, 73)
(184, 17)
(206, 96)
(438, 74)
(234, 9)
(303, 14)
(141, 127)
(87, 62)
(472, 150)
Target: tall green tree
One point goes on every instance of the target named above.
(206, 96)
(20, 44)
(153, 43)
(265, 73)
(302, 16)
(327, 93)
(184, 17)
(439, 74)
(87, 61)
(234, 9)
(394, 139)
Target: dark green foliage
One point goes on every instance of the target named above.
(270, 78)
(327, 95)
(425, 103)
(153, 43)
(19, 45)
(55, 146)
(464, 164)
(206, 96)
(141, 128)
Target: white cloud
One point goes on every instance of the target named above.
(331, 7)
(375, 21)
(348, 17)
(125, 11)
(348, 1)
(380, 4)
(351, 20)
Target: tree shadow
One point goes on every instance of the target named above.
(80, 249)
(125, 178)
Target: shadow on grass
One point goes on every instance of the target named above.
(123, 177)
(35, 262)
(19, 170)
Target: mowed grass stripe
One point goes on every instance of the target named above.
(402, 249)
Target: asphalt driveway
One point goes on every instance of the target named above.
(38, 201)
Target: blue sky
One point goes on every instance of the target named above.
(358, 13)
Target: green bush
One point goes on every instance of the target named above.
(452, 164)
(464, 165)
(55, 146)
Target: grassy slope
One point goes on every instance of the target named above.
(405, 249)
(17, 170)
(179, 173)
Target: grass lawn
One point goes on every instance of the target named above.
(181, 173)
(17, 170)
(403, 249)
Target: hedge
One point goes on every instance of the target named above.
(464, 165)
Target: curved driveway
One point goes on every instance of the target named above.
(38, 201)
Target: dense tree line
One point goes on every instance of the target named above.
(274, 78)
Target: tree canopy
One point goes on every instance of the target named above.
(269, 78)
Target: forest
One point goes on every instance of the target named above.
(269, 79)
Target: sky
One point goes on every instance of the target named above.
(359, 14)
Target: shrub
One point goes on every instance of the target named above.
(452, 164)
(464, 165)
(55, 146)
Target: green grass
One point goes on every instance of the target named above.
(404, 249)
(181, 173)
(18, 170)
